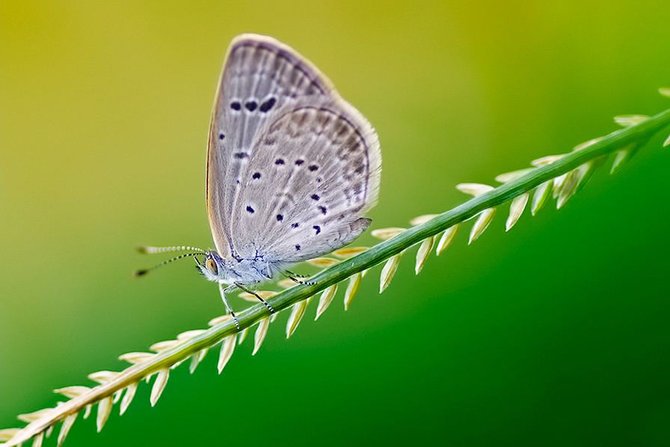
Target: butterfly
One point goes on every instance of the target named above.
(291, 168)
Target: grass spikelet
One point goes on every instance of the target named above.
(135, 357)
(49, 431)
(128, 398)
(348, 252)
(571, 184)
(72, 391)
(540, 197)
(422, 254)
(620, 157)
(387, 233)
(159, 385)
(187, 335)
(419, 220)
(558, 185)
(265, 294)
(218, 320)
(388, 271)
(163, 345)
(297, 312)
(322, 262)
(102, 376)
(196, 359)
(35, 415)
(666, 143)
(446, 239)
(38, 440)
(175, 365)
(104, 409)
(510, 176)
(588, 168)
(586, 144)
(259, 335)
(8, 433)
(324, 300)
(516, 210)
(87, 411)
(481, 224)
(286, 283)
(630, 120)
(546, 160)
(242, 335)
(226, 352)
(352, 288)
(68, 422)
(566, 189)
(664, 91)
(474, 189)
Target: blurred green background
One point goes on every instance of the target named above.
(554, 334)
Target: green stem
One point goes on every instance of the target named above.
(340, 272)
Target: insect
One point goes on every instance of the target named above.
(291, 168)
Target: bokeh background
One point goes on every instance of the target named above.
(554, 334)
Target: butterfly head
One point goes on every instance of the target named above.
(213, 267)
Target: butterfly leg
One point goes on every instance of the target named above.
(229, 309)
(265, 303)
(295, 277)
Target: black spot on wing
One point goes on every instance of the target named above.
(267, 105)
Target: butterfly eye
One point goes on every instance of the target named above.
(211, 266)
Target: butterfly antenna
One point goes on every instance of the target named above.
(147, 250)
(143, 272)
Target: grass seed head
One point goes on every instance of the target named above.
(481, 224)
(259, 335)
(324, 300)
(446, 239)
(388, 272)
(516, 209)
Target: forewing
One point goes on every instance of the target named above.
(261, 76)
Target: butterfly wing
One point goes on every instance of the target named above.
(310, 167)
(315, 173)
(260, 75)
